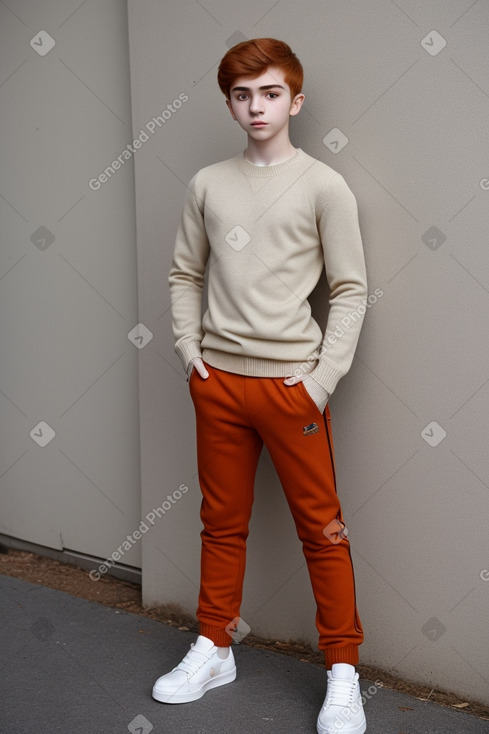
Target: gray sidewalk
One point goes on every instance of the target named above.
(72, 666)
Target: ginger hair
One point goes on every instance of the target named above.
(253, 57)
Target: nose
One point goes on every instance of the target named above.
(256, 104)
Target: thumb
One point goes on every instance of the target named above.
(200, 367)
(294, 380)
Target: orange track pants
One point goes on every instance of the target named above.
(235, 416)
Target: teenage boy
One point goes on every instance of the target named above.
(264, 224)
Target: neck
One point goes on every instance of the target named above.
(269, 152)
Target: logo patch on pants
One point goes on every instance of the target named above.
(310, 429)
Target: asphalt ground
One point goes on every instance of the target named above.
(71, 666)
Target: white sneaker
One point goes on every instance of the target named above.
(342, 711)
(202, 668)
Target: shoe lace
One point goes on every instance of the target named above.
(193, 661)
(340, 692)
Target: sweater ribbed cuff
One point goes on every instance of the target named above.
(317, 392)
(187, 351)
(327, 375)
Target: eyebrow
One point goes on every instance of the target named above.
(267, 86)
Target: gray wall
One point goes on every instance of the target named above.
(68, 294)
(416, 159)
(416, 124)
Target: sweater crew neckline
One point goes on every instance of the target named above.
(251, 169)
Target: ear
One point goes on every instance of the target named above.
(230, 108)
(296, 104)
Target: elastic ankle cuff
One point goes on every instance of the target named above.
(218, 636)
(346, 654)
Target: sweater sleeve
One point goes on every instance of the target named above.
(186, 277)
(346, 275)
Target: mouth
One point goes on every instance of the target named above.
(259, 124)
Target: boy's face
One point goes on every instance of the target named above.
(263, 106)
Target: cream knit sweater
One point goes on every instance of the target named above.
(265, 233)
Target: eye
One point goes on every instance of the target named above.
(241, 97)
(272, 95)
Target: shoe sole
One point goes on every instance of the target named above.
(219, 680)
(360, 729)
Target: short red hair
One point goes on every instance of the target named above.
(252, 58)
